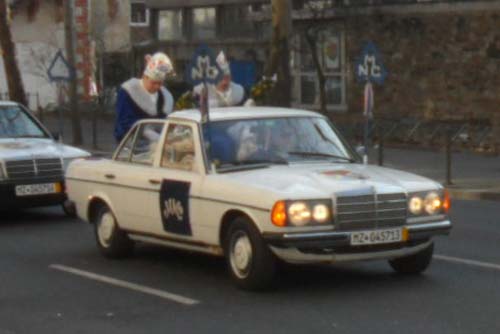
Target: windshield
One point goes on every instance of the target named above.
(275, 141)
(16, 123)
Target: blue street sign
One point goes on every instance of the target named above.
(203, 67)
(59, 69)
(369, 67)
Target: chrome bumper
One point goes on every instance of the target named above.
(332, 246)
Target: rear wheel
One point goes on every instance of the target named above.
(111, 241)
(415, 263)
(250, 261)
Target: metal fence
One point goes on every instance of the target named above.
(355, 3)
(473, 134)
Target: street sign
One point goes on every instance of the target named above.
(59, 69)
(369, 67)
(203, 67)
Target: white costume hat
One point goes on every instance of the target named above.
(158, 66)
(223, 63)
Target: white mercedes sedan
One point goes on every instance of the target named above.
(32, 162)
(256, 185)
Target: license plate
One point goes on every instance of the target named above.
(375, 237)
(37, 189)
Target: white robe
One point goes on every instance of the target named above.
(216, 99)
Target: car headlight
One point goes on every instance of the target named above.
(415, 205)
(301, 213)
(430, 203)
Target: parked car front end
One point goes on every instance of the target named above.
(32, 163)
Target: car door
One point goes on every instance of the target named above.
(179, 173)
(135, 192)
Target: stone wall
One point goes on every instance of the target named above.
(443, 65)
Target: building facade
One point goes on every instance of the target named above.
(100, 27)
(442, 56)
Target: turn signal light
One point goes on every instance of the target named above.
(446, 201)
(278, 214)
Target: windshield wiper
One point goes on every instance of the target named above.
(257, 162)
(318, 154)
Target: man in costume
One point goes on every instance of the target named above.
(225, 93)
(145, 97)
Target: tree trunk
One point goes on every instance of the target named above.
(14, 80)
(312, 42)
(70, 53)
(279, 60)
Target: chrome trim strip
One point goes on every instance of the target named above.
(429, 226)
(345, 234)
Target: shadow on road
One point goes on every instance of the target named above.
(35, 217)
(211, 271)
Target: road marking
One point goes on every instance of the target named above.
(127, 285)
(468, 262)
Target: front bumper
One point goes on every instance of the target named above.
(9, 200)
(332, 246)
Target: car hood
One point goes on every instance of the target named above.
(325, 180)
(28, 148)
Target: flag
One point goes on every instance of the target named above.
(368, 101)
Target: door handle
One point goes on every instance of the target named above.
(154, 181)
(109, 176)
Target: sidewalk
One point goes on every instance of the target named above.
(474, 176)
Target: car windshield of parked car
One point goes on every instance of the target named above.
(275, 141)
(16, 123)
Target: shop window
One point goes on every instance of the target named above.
(170, 25)
(139, 14)
(204, 23)
(330, 52)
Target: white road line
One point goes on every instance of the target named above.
(126, 285)
(468, 262)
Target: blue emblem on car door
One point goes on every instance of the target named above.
(174, 206)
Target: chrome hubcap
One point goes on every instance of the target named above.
(241, 254)
(106, 229)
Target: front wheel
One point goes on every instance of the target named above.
(251, 263)
(415, 263)
(111, 241)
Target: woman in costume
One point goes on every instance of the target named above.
(145, 97)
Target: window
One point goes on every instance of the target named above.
(170, 25)
(139, 14)
(146, 142)
(124, 153)
(16, 123)
(179, 151)
(140, 145)
(204, 23)
(330, 52)
(237, 22)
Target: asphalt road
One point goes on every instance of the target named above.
(458, 294)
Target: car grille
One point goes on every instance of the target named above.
(368, 211)
(36, 168)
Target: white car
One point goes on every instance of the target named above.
(32, 163)
(256, 185)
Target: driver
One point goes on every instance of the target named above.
(279, 139)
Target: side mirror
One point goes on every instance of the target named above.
(56, 135)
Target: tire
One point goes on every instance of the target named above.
(111, 241)
(69, 208)
(250, 262)
(413, 264)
